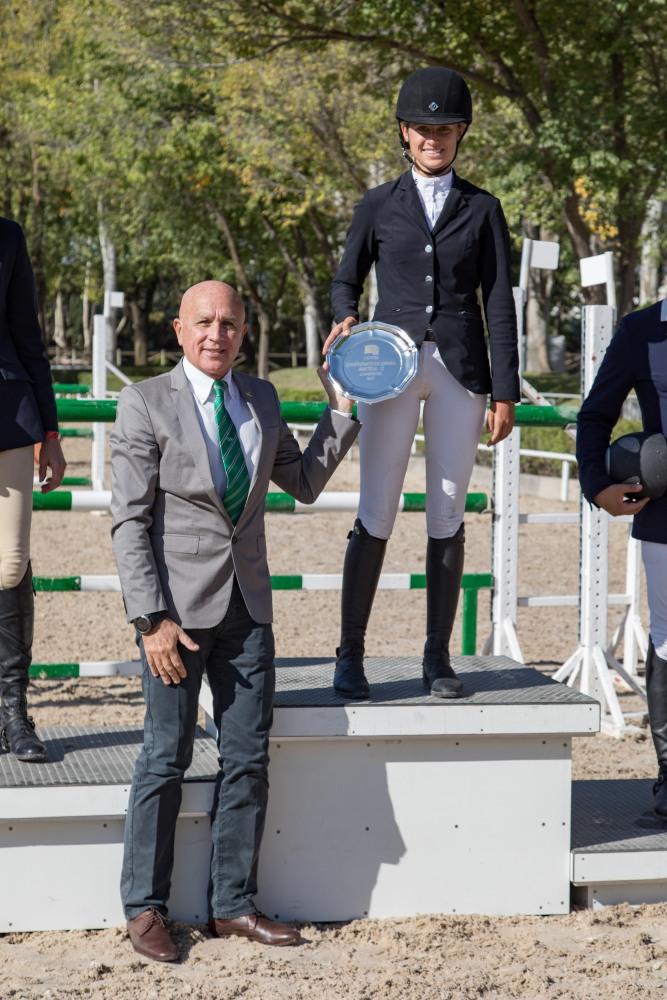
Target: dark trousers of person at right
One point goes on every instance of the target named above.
(237, 657)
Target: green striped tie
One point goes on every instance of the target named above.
(238, 480)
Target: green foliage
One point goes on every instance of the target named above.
(185, 127)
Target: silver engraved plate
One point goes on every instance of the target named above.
(376, 361)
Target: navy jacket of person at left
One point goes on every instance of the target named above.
(27, 403)
(635, 359)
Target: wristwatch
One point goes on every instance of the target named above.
(146, 623)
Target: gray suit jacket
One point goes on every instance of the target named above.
(175, 546)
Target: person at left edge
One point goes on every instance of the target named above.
(27, 417)
(193, 452)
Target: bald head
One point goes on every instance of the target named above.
(207, 291)
(210, 326)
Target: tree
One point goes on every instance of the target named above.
(578, 90)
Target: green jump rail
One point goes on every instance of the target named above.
(70, 389)
(275, 503)
(104, 411)
(471, 584)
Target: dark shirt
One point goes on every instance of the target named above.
(428, 278)
(27, 402)
(635, 359)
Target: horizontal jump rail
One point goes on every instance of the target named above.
(276, 503)
(71, 389)
(107, 583)
(104, 411)
(471, 584)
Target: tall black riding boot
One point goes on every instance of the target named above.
(444, 569)
(17, 616)
(361, 572)
(656, 695)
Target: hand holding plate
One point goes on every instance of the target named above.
(339, 330)
(336, 400)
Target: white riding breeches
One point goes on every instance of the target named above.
(16, 472)
(654, 555)
(453, 418)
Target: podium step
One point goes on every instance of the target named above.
(619, 847)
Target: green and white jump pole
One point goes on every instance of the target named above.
(276, 503)
(471, 584)
(104, 411)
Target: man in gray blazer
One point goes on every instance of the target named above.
(193, 452)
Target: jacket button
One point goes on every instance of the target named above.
(428, 248)
(429, 309)
(234, 539)
(428, 278)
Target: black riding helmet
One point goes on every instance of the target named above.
(433, 95)
(639, 458)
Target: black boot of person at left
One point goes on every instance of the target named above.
(17, 616)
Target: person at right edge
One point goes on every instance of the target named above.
(635, 359)
(435, 240)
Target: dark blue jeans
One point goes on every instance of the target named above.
(238, 658)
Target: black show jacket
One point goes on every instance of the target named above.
(635, 359)
(429, 278)
(27, 403)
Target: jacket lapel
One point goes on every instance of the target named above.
(408, 198)
(453, 203)
(187, 416)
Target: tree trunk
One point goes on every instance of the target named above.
(263, 347)
(245, 282)
(649, 272)
(139, 333)
(59, 327)
(86, 317)
(140, 306)
(108, 251)
(312, 334)
(37, 246)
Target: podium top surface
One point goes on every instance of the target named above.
(615, 835)
(306, 682)
(81, 755)
(616, 816)
(502, 697)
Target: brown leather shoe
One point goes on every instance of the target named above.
(257, 927)
(150, 937)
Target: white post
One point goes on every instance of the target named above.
(505, 547)
(506, 472)
(589, 664)
(634, 637)
(99, 388)
(564, 481)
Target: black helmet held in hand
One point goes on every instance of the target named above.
(434, 96)
(639, 459)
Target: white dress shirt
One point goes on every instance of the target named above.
(433, 193)
(237, 408)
